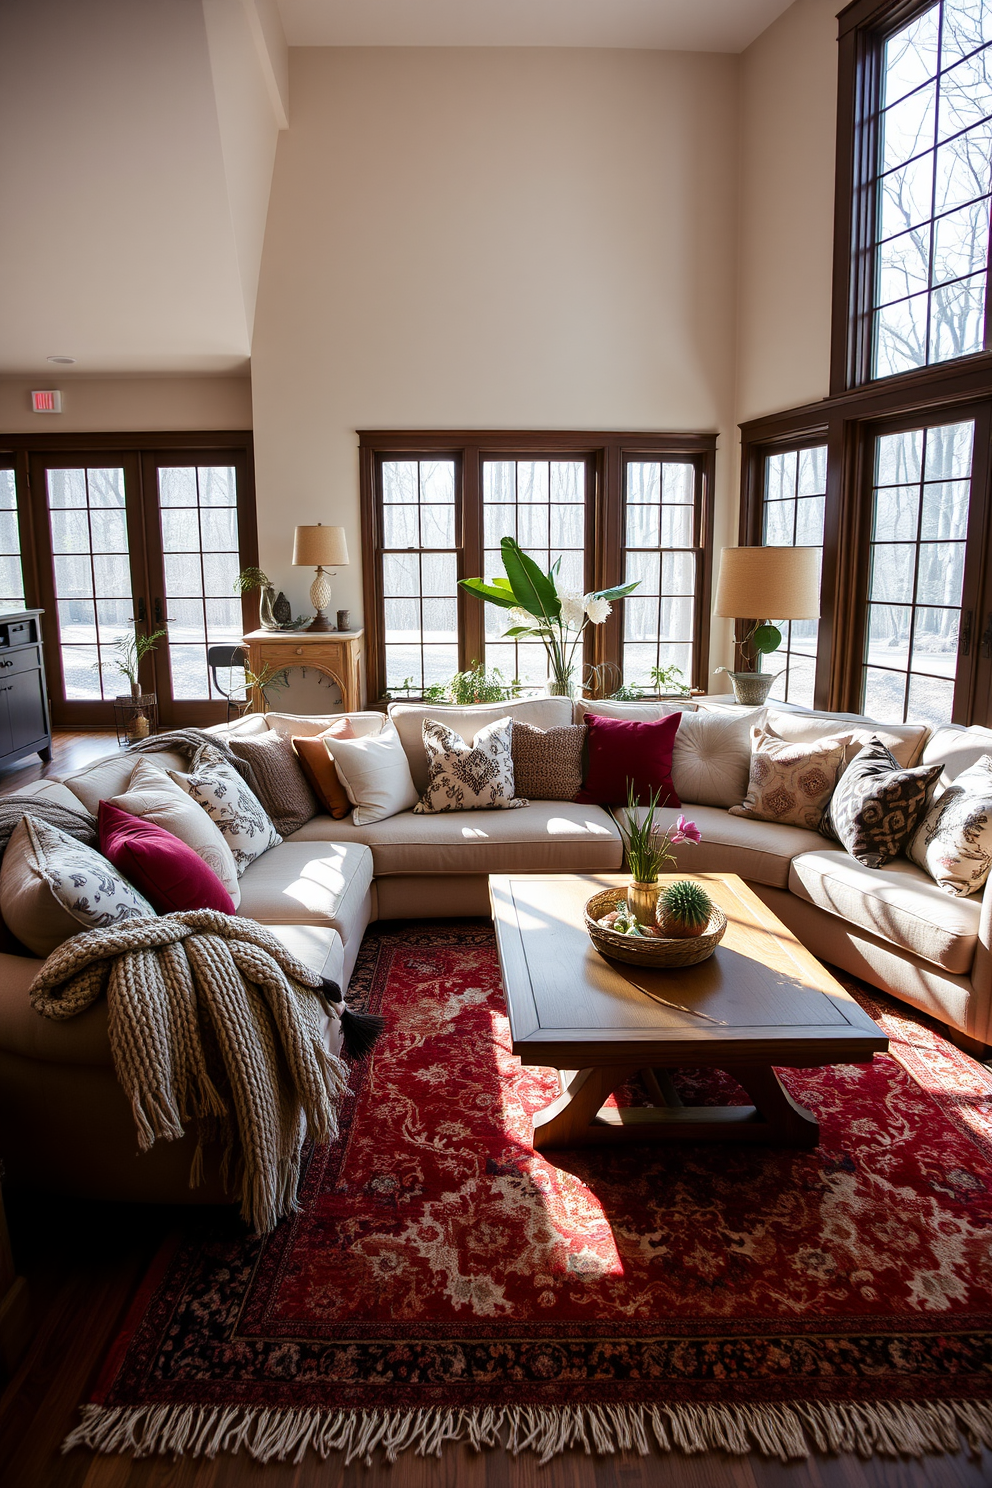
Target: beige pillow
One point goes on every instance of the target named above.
(111, 774)
(155, 798)
(790, 783)
(711, 758)
(53, 887)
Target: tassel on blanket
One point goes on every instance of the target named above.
(359, 1031)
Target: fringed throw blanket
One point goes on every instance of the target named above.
(211, 1019)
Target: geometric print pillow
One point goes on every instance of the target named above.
(954, 840)
(790, 783)
(877, 804)
(468, 777)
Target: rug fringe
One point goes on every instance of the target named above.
(786, 1431)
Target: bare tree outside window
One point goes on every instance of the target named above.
(11, 572)
(661, 525)
(792, 516)
(934, 181)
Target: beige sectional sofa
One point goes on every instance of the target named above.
(64, 1122)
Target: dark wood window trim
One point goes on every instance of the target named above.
(604, 453)
(137, 445)
(862, 28)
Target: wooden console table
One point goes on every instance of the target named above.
(336, 653)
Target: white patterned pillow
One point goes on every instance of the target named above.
(235, 808)
(954, 840)
(468, 777)
(52, 887)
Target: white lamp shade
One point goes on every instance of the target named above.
(320, 546)
(769, 584)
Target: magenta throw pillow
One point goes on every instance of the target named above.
(622, 752)
(170, 874)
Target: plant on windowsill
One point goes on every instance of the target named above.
(539, 610)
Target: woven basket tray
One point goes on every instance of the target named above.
(649, 950)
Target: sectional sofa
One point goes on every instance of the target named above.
(65, 1124)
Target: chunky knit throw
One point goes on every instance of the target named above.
(211, 1019)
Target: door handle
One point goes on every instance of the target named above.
(987, 638)
(161, 619)
(141, 612)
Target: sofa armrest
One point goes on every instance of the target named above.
(981, 972)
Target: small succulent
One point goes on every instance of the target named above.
(684, 909)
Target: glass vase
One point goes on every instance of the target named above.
(561, 683)
(642, 901)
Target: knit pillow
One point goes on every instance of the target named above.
(953, 842)
(547, 763)
(280, 784)
(235, 808)
(468, 777)
(876, 806)
(790, 783)
(153, 797)
(52, 887)
(170, 874)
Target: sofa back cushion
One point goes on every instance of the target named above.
(904, 741)
(645, 712)
(957, 748)
(308, 726)
(408, 718)
(111, 776)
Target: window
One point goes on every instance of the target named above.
(792, 516)
(921, 495)
(934, 167)
(604, 507)
(11, 572)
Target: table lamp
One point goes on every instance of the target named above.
(786, 584)
(320, 547)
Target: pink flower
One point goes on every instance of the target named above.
(686, 831)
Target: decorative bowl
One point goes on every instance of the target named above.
(649, 950)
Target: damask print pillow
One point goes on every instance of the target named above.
(234, 807)
(954, 840)
(877, 805)
(468, 777)
(53, 887)
(790, 783)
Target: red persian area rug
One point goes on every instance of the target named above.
(442, 1282)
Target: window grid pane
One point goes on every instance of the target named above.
(933, 187)
(541, 503)
(792, 516)
(661, 523)
(92, 577)
(198, 513)
(11, 570)
(916, 573)
(419, 572)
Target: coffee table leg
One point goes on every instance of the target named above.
(576, 1118)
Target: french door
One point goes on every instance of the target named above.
(150, 540)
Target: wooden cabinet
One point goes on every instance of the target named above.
(24, 721)
(336, 653)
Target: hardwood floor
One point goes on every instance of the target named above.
(84, 1261)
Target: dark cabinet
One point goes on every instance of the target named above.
(24, 720)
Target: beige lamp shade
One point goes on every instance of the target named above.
(320, 547)
(769, 584)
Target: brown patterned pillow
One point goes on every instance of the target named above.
(278, 781)
(790, 783)
(547, 763)
(876, 806)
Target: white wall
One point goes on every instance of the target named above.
(108, 404)
(788, 126)
(490, 238)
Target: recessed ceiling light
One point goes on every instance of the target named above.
(63, 361)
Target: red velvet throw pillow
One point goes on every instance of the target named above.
(170, 874)
(622, 752)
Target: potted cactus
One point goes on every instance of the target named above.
(684, 909)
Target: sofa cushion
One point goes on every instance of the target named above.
(83, 1039)
(375, 773)
(957, 749)
(547, 712)
(277, 779)
(317, 764)
(757, 850)
(540, 838)
(309, 883)
(171, 875)
(898, 903)
(635, 712)
(629, 759)
(904, 741)
(469, 777)
(547, 763)
(712, 758)
(790, 783)
(876, 806)
(111, 775)
(233, 806)
(308, 726)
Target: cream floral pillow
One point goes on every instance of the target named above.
(234, 807)
(954, 840)
(790, 783)
(468, 777)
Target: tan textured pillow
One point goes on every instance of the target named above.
(547, 763)
(155, 798)
(790, 783)
(278, 781)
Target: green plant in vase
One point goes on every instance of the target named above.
(539, 610)
(648, 847)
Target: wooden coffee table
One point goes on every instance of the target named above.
(760, 1000)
